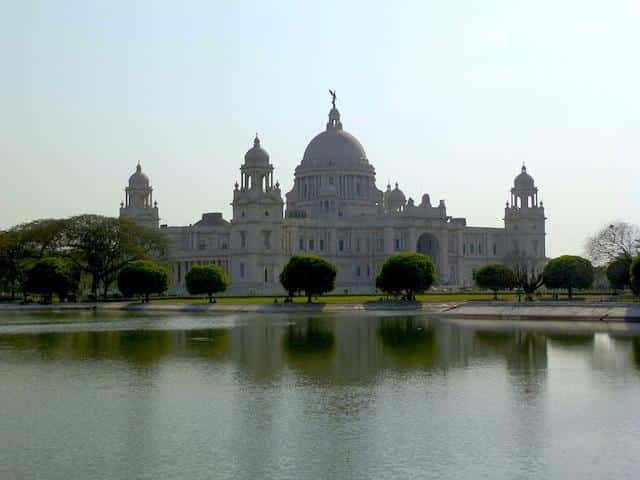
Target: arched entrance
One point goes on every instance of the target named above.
(428, 244)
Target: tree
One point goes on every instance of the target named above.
(143, 277)
(51, 275)
(406, 273)
(619, 240)
(568, 272)
(527, 272)
(635, 275)
(494, 277)
(310, 274)
(207, 279)
(618, 273)
(15, 260)
(102, 246)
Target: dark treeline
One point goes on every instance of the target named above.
(51, 256)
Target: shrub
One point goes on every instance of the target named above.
(52, 275)
(635, 275)
(208, 279)
(406, 273)
(494, 277)
(568, 272)
(618, 273)
(143, 277)
(310, 274)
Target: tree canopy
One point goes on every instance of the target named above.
(102, 246)
(635, 275)
(143, 277)
(568, 272)
(207, 279)
(619, 240)
(51, 275)
(618, 273)
(406, 273)
(494, 277)
(310, 274)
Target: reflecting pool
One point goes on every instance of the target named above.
(362, 396)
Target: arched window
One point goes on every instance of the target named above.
(266, 275)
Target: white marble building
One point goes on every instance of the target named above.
(335, 210)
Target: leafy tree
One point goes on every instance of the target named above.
(618, 240)
(635, 275)
(406, 273)
(494, 277)
(310, 274)
(42, 237)
(618, 273)
(207, 279)
(15, 260)
(102, 246)
(51, 275)
(143, 277)
(568, 272)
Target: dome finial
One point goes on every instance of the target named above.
(524, 168)
(333, 97)
(138, 167)
(256, 141)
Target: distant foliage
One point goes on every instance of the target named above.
(619, 273)
(494, 277)
(568, 272)
(406, 274)
(635, 275)
(143, 277)
(310, 274)
(619, 240)
(206, 279)
(52, 275)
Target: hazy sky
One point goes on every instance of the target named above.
(447, 97)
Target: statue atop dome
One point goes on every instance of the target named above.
(333, 97)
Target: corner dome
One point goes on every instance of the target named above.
(524, 181)
(138, 179)
(256, 156)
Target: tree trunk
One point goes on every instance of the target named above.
(105, 291)
(570, 292)
(210, 298)
(308, 297)
(495, 294)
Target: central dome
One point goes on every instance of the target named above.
(334, 147)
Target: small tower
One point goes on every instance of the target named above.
(139, 205)
(524, 218)
(256, 235)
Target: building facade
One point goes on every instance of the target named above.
(335, 210)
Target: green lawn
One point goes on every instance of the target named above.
(428, 297)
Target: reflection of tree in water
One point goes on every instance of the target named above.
(142, 348)
(207, 344)
(309, 344)
(48, 345)
(570, 341)
(408, 342)
(525, 353)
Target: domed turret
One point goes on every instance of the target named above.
(256, 156)
(394, 200)
(523, 181)
(139, 205)
(524, 193)
(138, 179)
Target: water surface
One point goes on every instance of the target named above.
(117, 396)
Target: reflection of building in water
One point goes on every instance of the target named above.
(336, 210)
